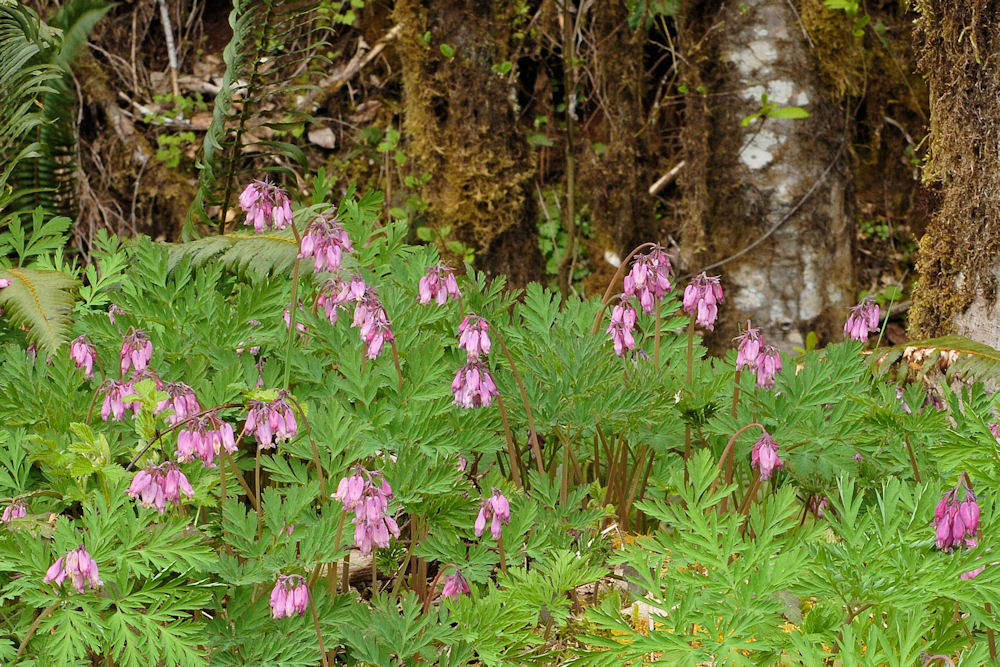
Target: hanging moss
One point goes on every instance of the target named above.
(958, 47)
(461, 128)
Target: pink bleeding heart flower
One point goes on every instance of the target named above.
(496, 510)
(623, 318)
(367, 494)
(290, 596)
(473, 386)
(864, 319)
(438, 285)
(137, 350)
(764, 456)
(325, 241)
(701, 299)
(272, 421)
(15, 510)
(748, 346)
(455, 585)
(649, 279)
(78, 567)
(267, 206)
(83, 354)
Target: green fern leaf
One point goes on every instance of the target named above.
(262, 254)
(41, 301)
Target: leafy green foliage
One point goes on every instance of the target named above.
(616, 550)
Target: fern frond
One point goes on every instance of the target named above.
(953, 354)
(27, 73)
(40, 301)
(262, 254)
(264, 69)
(48, 177)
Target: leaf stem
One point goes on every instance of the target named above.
(532, 433)
(319, 632)
(34, 628)
(292, 312)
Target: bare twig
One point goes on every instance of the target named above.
(168, 32)
(667, 178)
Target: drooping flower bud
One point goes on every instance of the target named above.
(764, 456)
(326, 241)
(623, 318)
(267, 206)
(15, 510)
(701, 299)
(474, 336)
(373, 323)
(4, 282)
(181, 401)
(290, 596)
(455, 585)
(473, 386)
(137, 350)
(78, 567)
(748, 348)
(367, 494)
(204, 438)
(438, 285)
(157, 485)
(864, 319)
(495, 509)
(768, 367)
(649, 278)
(956, 522)
(83, 354)
(114, 407)
(272, 422)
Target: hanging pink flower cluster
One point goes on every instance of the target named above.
(623, 318)
(271, 421)
(864, 319)
(78, 567)
(15, 510)
(325, 240)
(156, 485)
(765, 457)
(438, 285)
(455, 585)
(473, 386)
(372, 322)
(114, 407)
(204, 438)
(751, 353)
(182, 402)
(367, 494)
(290, 596)
(701, 298)
(83, 354)
(496, 508)
(649, 279)
(956, 521)
(267, 206)
(137, 350)
(336, 292)
(299, 326)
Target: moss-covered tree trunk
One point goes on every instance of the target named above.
(782, 180)
(461, 128)
(958, 45)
